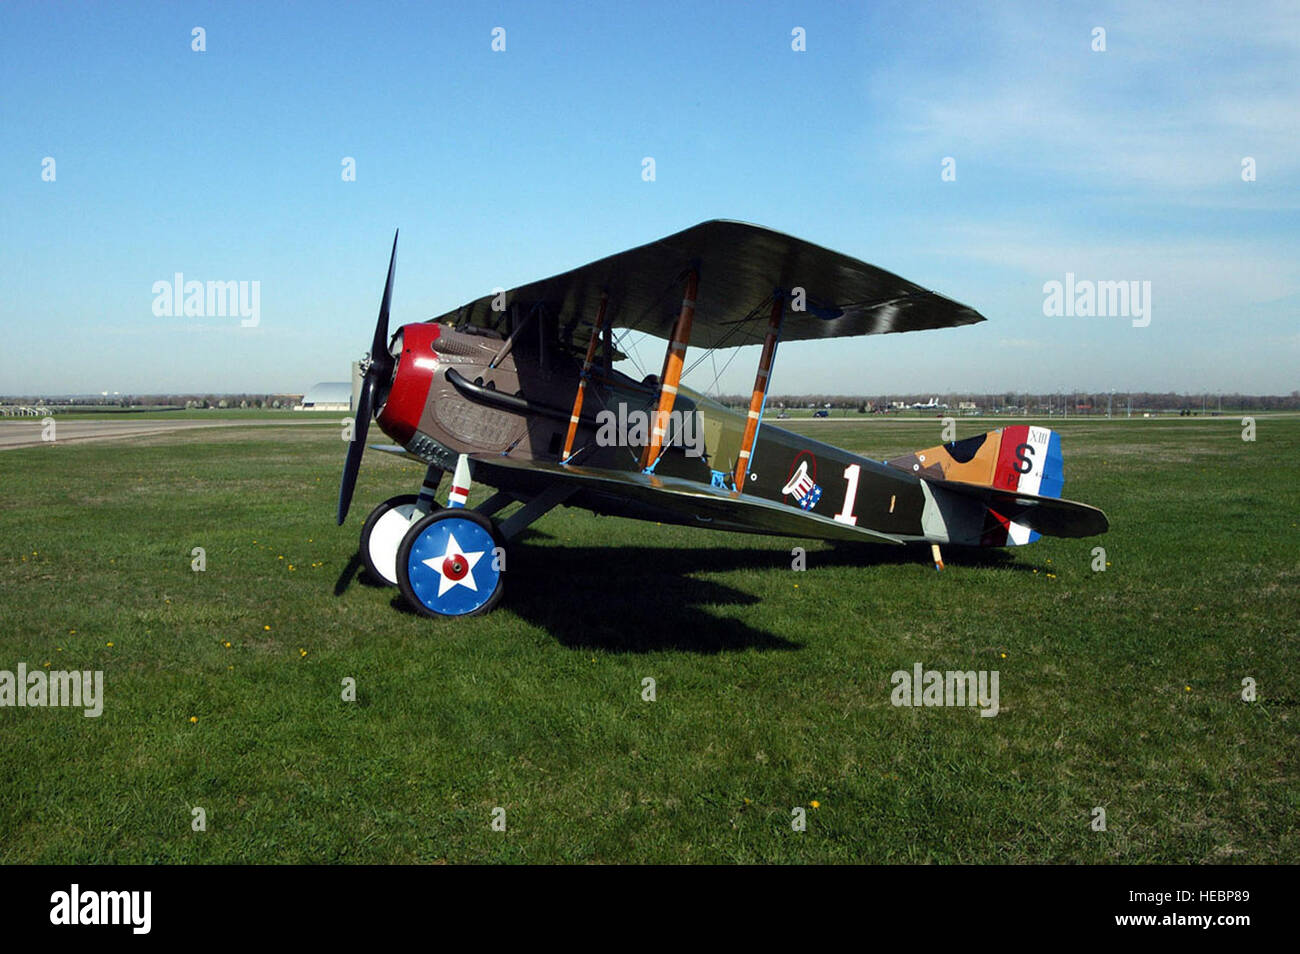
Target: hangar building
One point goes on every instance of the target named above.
(327, 396)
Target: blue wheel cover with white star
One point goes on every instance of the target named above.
(452, 567)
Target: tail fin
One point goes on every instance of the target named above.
(1021, 459)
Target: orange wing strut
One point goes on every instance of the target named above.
(672, 376)
(760, 391)
(582, 381)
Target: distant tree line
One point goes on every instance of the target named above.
(1082, 402)
(209, 400)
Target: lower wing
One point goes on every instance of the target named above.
(691, 502)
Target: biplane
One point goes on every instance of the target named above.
(518, 390)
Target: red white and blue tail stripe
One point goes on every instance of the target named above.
(1029, 462)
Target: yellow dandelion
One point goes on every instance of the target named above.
(226, 644)
(815, 804)
(1004, 655)
(46, 664)
(267, 628)
(194, 719)
(110, 645)
(1187, 688)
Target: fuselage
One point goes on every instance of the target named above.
(477, 392)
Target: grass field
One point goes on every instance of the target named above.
(1118, 689)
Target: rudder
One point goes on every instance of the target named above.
(1020, 458)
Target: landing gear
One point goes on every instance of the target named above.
(387, 524)
(451, 563)
(382, 535)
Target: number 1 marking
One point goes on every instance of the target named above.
(851, 473)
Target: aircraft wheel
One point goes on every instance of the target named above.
(382, 534)
(447, 564)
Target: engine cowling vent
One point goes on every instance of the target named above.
(456, 344)
(475, 425)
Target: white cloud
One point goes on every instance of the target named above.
(1178, 98)
(1198, 274)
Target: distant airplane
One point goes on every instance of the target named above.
(931, 405)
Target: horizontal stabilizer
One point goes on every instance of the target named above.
(1047, 515)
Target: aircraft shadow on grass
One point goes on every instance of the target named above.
(641, 599)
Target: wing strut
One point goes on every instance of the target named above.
(674, 358)
(582, 381)
(759, 397)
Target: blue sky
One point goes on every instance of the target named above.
(502, 167)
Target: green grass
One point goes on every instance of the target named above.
(773, 687)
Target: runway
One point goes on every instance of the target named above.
(27, 432)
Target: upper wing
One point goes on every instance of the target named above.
(693, 502)
(739, 266)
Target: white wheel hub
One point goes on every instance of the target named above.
(386, 537)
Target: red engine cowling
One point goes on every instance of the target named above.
(416, 362)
